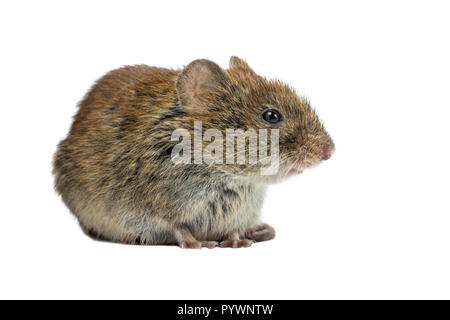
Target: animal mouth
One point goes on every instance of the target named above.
(295, 171)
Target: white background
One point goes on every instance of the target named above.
(372, 222)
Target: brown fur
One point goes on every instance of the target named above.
(114, 170)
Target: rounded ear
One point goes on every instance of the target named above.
(197, 79)
(239, 64)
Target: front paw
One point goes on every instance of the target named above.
(245, 243)
(262, 232)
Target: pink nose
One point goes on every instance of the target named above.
(326, 154)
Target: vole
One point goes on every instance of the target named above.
(115, 170)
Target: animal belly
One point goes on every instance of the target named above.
(213, 220)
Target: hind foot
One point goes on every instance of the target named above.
(198, 244)
(186, 240)
(244, 243)
(233, 240)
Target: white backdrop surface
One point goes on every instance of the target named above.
(372, 222)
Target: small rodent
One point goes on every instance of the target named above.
(115, 171)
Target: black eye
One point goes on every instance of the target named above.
(272, 116)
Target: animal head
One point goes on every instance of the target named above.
(238, 98)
